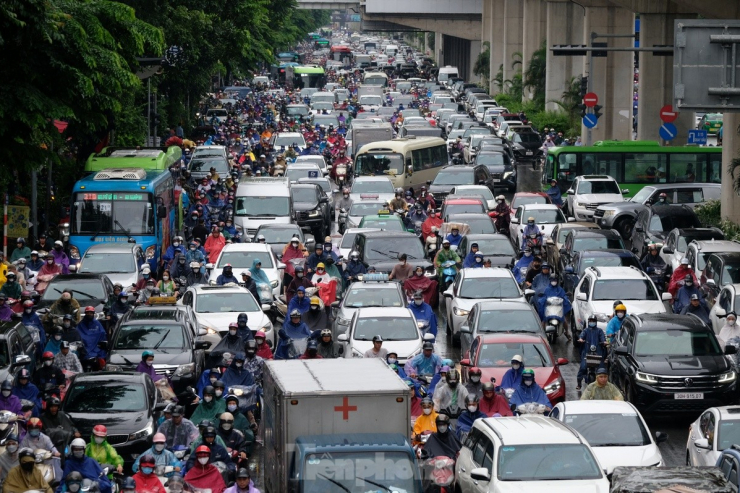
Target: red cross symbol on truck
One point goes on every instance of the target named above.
(345, 408)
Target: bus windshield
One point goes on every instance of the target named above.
(112, 212)
(263, 206)
(372, 164)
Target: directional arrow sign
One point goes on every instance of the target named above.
(590, 120)
(590, 99)
(667, 114)
(668, 131)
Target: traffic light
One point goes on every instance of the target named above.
(597, 111)
(583, 109)
(584, 86)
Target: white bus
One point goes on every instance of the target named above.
(375, 79)
(409, 162)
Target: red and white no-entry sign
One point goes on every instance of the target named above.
(590, 99)
(667, 114)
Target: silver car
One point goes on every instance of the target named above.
(364, 294)
(121, 262)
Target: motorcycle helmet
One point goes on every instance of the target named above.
(620, 308)
(553, 276)
(129, 483)
(475, 371)
(48, 355)
(442, 419)
(53, 401)
(377, 338)
(472, 399)
(100, 431)
(218, 385)
(10, 276)
(146, 354)
(202, 451)
(148, 460)
(528, 374)
(592, 318)
(488, 387)
(77, 443)
(428, 345)
(295, 313)
(452, 378)
(89, 309)
(34, 423)
(210, 391)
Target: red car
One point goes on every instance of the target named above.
(524, 198)
(492, 353)
(461, 206)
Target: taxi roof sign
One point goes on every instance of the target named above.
(161, 300)
(369, 196)
(375, 277)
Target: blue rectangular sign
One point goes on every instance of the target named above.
(697, 137)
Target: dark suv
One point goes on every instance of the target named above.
(721, 269)
(654, 223)
(312, 208)
(381, 249)
(671, 364)
(452, 175)
(587, 239)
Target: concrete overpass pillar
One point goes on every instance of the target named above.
(655, 86)
(612, 76)
(438, 49)
(513, 28)
(497, 40)
(564, 25)
(730, 200)
(534, 23)
(475, 49)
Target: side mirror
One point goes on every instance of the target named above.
(730, 349)
(582, 297)
(209, 266)
(310, 243)
(324, 200)
(621, 351)
(480, 474)
(570, 191)
(21, 360)
(342, 338)
(625, 191)
(73, 268)
(660, 437)
(711, 282)
(549, 241)
(202, 345)
(666, 296)
(515, 221)
(281, 266)
(465, 362)
(447, 294)
(265, 307)
(571, 219)
(563, 361)
(667, 250)
(465, 328)
(720, 312)
(703, 444)
(160, 406)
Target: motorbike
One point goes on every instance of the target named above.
(8, 425)
(265, 292)
(449, 271)
(593, 361)
(554, 320)
(49, 466)
(532, 408)
(438, 474)
(432, 245)
(341, 173)
(499, 222)
(534, 242)
(423, 326)
(658, 276)
(343, 214)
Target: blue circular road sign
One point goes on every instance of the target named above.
(668, 131)
(590, 120)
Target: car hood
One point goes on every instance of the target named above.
(386, 266)
(130, 358)
(221, 321)
(277, 248)
(500, 260)
(125, 279)
(624, 205)
(600, 198)
(582, 486)
(528, 145)
(304, 206)
(120, 423)
(611, 457)
(683, 365)
(440, 188)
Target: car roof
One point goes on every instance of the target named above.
(728, 412)
(293, 186)
(465, 201)
(597, 178)
(203, 288)
(593, 233)
(605, 252)
(247, 247)
(617, 272)
(111, 376)
(171, 313)
(601, 407)
(727, 255)
(716, 245)
(303, 164)
(374, 285)
(509, 304)
(462, 216)
(494, 272)
(280, 226)
(377, 233)
(371, 178)
(529, 194)
(660, 322)
(543, 207)
(473, 237)
(503, 338)
(527, 430)
(112, 247)
(385, 311)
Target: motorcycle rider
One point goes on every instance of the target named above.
(678, 278)
(696, 308)
(12, 288)
(615, 324)
(652, 260)
(203, 474)
(88, 467)
(243, 484)
(54, 419)
(426, 363)
(442, 443)
(534, 269)
(178, 431)
(24, 389)
(67, 360)
(345, 202)
(454, 237)
(529, 391)
(26, 476)
(195, 276)
(146, 365)
(65, 305)
(315, 258)
(299, 281)
(60, 258)
(300, 301)
(147, 292)
(293, 329)
(468, 416)
(227, 276)
(493, 403)
(9, 458)
(554, 290)
(240, 421)
(433, 221)
(92, 334)
(470, 257)
(445, 254)
(601, 389)
(399, 202)
(35, 439)
(120, 307)
(215, 243)
(474, 385)
(377, 351)
(529, 229)
(426, 200)
(450, 395)
(230, 343)
(426, 420)
(730, 330)
(315, 317)
(417, 216)
(423, 312)
(513, 376)
(48, 373)
(209, 408)
(218, 452)
(263, 349)
(592, 335)
(354, 268)
(554, 193)
(542, 280)
(236, 373)
(685, 293)
(402, 270)
(29, 318)
(100, 450)
(521, 268)
(145, 479)
(175, 248)
(233, 438)
(250, 285)
(35, 263)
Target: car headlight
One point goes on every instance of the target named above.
(577, 204)
(210, 330)
(357, 354)
(554, 386)
(267, 327)
(508, 174)
(113, 367)
(185, 370)
(601, 317)
(608, 213)
(151, 251)
(727, 377)
(274, 283)
(142, 433)
(646, 378)
(342, 321)
(314, 214)
(239, 229)
(459, 312)
(74, 252)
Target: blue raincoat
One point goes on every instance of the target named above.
(521, 267)
(425, 312)
(465, 421)
(683, 298)
(89, 468)
(237, 376)
(469, 260)
(302, 305)
(552, 291)
(289, 332)
(205, 380)
(258, 275)
(91, 333)
(529, 393)
(512, 379)
(29, 392)
(454, 239)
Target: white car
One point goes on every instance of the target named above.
(370, 102)
(677, 242)
(376, 292)
(589, 192)
(615, 430)
(716, 429)
(378, 188)
(698, 252)
(481, 191)
(216, 307)
(343, 245)
(726, 302)
(241, 256)
(546, 216)
(211, 151)
(397, 327)
(475, 285)
(317, 160)
(121, 262)
(531, 454)
(600, 286)
(287, 139)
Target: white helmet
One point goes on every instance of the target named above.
(77, 443)
(500, 197)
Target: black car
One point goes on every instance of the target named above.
(494, 247)
(278, 235)
(126, 403)
(654, 223)
(501, 167)
(595, 258)
(587, 239)
(88, 289)
(721, 269)
(17, 349)
(671, 364)
(170, 332)
(381, 250)
(527, 146)
(452, 175)
(312, 208)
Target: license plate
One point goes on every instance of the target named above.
(529, 153)
(689, 395)
(496, 180)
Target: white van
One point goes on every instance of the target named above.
(446, 73)
(391, 50)
(261, 201)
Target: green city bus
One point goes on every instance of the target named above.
(304, 76)
(148, 158)
(633, 164)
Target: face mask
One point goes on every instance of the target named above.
(147, 470)
(689, 283)
(57, 337)
(527, 254)
(28, 310)
(232, 332)
(165, 278)
(239, 365)
(392, 361)
(47, 363)
(452, 384)
(175, 244)
(34, 433)
(530, 223)
(472, 409)
(528, 382)
(12, 448)
(6, 393)
(475, 379)
(208, 398)
(219, 393)
(314, 308)
(592, 324)
(346, 195)
(320, 271)
(99, 440)
(213, 380)
(231, 408)
(67, 324)
(418, 302)
(203, 460)
(731, 323)
(182, 261)
(516, 366)
(50, 262)
(27, 466)
(78, 454)
(149, 363)
(427, 410)
(226, 426)
(192, 249)
(442, 428)
(73, 487)
(146, 276)
(553, 283)
(299, 274)
(620, 316)
(446, 247)
(159, 447)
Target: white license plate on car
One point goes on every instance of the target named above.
(529, 153)
(689, 395)
(496, 180)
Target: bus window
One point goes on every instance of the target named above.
(439, 156)
(602, 164)
(644, 168)
(422, 158)
(372, 164)
(548, 170)
(687, 167)
(715, 168)
(567, 171)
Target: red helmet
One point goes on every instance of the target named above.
(47, 355)
(89, 309)
(475, 371)
(34, 423)
(28, 304)
(100, 431)
(233, 325)
(202, 450)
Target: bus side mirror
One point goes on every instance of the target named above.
(161, 212)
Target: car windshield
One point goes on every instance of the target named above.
(304, 195)
(729, 434)
(262, 206)
(371, 100)
(82, 289)
(365, 208)
(676, 342)
(289, 140)
(672, 221)
(457, 177)
(390, 329)
(478, 225)
(642, 196)
(481, 192)
(295, 173)
(219, 302)
(731, 273)
(297, 111)
(502, 320)
(343, 472)
(597, 243)
(526, 138)
(526, 200)
(610, 430)
(490, 159)
(546, 216)
(359, 296)
(97, 397)
(372, 186)
(107, 263)
(326, 120)
(391, 248)
(547, 462)
(498, 355)
(277, 235)
(204, 166)
(495, 247)
(388, 223)
(150, 337)
(601, 186)
(489, 287)
(378, 164)
(243, 260)
(608, 261)
(624, 289)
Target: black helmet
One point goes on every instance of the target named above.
(218, 384)
(68, 317)
(26, 452)
(250, 345)
(129, 484)
(299, 269)
(428, 345)
(210, 431)
(243, 473)
(377, 338)
(442, 419)
(53, 401)
(553, 276)
(205, 424)
(452, 376)
(73, 476)
(472, 399)
(592, 318)
(6, 385)
(209, 390)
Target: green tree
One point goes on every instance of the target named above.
(482, 67)
(534, 77)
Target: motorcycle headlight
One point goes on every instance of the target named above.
(142, 433)
(646, 378)
(553, 387)
(185, 370)
(151, 251)
(74, 252)
(727, 377)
